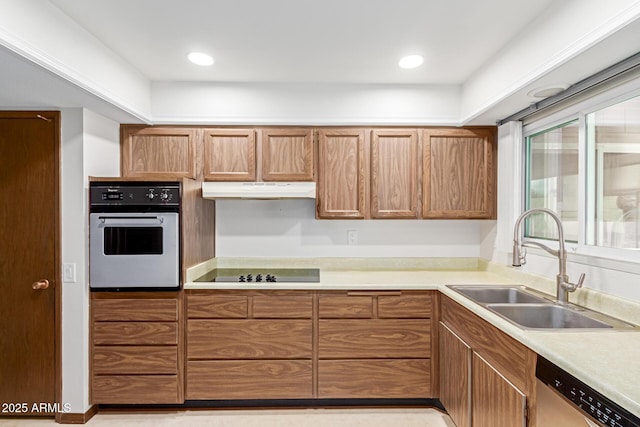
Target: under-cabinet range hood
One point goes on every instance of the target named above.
(259, 190)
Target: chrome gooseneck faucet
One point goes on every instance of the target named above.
(519, 255)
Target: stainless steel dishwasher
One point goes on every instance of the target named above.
(563, 400)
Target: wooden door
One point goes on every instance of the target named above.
(29, 253)
(229, 155)
(158, 152)
(287, 154)
(458, 173)
(342, 173)
(496, 402)
(455, 376)
(394, 173)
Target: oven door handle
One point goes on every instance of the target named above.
(134, 220)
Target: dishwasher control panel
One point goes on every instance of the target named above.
(591, 402)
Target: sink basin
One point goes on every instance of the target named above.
(552, 316)
(485, 294)
(529, 309)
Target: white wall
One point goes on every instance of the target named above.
(288, 228)
(280, 104)
(40, 32)
(90, 146)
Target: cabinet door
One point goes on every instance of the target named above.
(394, 173)
(287, 154)
(455, 376)
(158, 152)
(495, 401)
(342, 173)
(229, 155)
(458, 173)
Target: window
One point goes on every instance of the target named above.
(613, 145)
(552, 170)
(586, 167)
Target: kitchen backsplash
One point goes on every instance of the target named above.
(288, 228)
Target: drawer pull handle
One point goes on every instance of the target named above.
(373, 293)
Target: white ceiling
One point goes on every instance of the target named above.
(337, 41)
(291, 61)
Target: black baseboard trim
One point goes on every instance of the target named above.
(286, 403)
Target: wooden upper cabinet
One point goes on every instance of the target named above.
(458, 173)
(287, 154)
(342, 173)
(394, 173)
(158, 151)
(229, 154)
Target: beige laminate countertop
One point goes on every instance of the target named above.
(607, 360)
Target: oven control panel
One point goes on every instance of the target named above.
(122, 194)
(591, 402)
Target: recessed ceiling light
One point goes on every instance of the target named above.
(547, 91)
(200, 58)
(411, 61)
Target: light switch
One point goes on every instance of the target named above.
(69, 272)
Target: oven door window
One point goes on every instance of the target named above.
(133, 240)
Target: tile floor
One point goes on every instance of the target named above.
(397, 417)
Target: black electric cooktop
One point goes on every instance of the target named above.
(261, 275)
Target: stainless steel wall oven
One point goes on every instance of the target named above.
(134, 235)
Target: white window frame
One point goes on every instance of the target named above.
(614, 258)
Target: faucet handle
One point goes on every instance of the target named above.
(570, 287)
(580, 280)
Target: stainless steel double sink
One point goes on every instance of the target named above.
(529, 309)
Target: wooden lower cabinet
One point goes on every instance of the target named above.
(374, 338)
(136, 389)
(487, 379)
(375, 344)
(249, 379)
(374, 378)
(249, 345)
(455, 376)
(272, 344)
(249, 339)
(136, 351)
(495, 402)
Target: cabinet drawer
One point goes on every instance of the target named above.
(249, 379)
(249, 339)
(398, 378)
(132, 389)
(404, 306)
(155, 310)
(135, 333)
(354, 307)
(282, 307)
(217, 306)
(135, 360)
(391, 338)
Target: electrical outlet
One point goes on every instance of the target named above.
(352, 237)
(69, 272)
